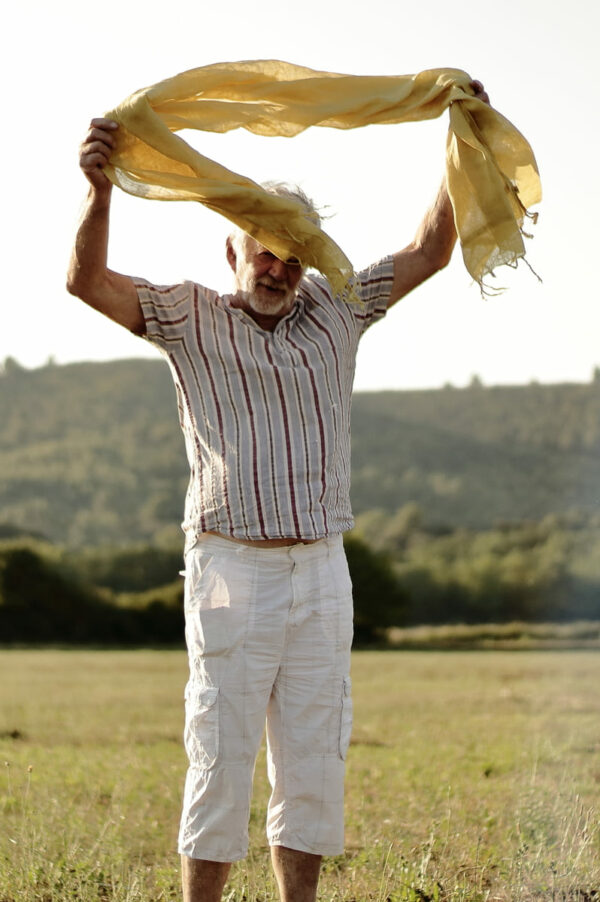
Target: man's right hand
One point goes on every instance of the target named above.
(95, 152)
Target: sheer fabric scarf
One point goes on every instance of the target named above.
(491, 171)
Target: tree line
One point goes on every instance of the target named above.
(474, 505)
(92, 454)
(402, 574)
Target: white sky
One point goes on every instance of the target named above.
(66, 62)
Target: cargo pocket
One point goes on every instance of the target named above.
(201, 737)
(346, 718)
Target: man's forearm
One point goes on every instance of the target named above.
(88, 264)
(436, 235)
(429, 251)
(89, 277)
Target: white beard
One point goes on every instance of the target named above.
(263, 303)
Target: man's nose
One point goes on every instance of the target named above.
(278, 270)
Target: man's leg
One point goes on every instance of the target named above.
(236, 623)
(203, 881)
(309, 719)
(297, 874)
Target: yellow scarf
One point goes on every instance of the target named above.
(491, 171)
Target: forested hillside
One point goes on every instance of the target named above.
(91, 453)
(475, 456)
(476, 505)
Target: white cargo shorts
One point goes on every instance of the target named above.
(269, 632)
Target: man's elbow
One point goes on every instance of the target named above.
(80, 286)
(90, 291)
(73, 287)
(438, 257)
(443, 259)
(114, 297)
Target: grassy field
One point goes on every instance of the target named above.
(471, 776)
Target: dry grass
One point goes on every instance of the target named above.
(471, 776)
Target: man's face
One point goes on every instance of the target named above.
(265, 285)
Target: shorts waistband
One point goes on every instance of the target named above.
(315, 551)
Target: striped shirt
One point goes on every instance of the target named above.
(265, 415)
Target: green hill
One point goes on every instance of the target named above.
(91, 453)
(477, 456)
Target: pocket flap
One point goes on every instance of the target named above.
(202, 696)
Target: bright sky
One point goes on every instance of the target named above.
(66, 62)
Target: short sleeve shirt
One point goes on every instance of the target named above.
(265, 415)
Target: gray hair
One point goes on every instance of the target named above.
(280, 189)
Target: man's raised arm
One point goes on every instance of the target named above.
(432, 246)
(88, 276)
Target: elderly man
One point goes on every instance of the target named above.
(263, 379)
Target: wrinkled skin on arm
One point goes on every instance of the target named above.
(89, 277)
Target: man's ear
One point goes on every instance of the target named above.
(231, 255)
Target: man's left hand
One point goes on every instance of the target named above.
(479, 91)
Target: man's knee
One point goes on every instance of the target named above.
(297, 873)
(203, 880)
